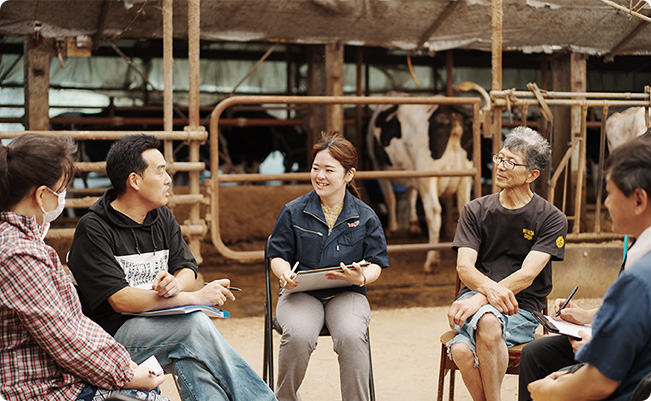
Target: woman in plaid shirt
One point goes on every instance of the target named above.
(48, 349)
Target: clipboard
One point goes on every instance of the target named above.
(561, 326)
(315, 279)
(211, 311)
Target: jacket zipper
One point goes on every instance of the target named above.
(308, 231)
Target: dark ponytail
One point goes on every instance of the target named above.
(32, 160)
(342, 150)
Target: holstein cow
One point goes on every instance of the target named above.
(624, 126)
(248, 146)
(421, 137)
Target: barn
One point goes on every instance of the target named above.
(94, 70)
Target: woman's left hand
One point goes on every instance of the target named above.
(354, 275)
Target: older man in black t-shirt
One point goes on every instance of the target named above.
(505, 243)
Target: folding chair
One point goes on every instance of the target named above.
(642, 391)
(271, 324)
(448, 365)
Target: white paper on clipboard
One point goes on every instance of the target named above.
(315, 279)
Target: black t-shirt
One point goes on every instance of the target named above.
(504, 237)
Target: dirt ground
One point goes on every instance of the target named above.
(408, 309)
(402, 285)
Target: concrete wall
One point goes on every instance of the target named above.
(593, 267)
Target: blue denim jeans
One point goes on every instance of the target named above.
(516, 329)
(190, 347)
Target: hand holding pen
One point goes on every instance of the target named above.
(287, 280)
(565, 303)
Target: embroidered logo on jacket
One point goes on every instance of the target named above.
(354, 224)
(528, 234)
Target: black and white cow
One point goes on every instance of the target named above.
(245, 147)
(421, 137)
(248, 146)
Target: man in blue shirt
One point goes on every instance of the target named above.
(619, 354)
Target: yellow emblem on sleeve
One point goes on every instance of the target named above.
(560, 241)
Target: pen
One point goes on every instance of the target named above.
(230, 288)
(291, 273)
(567, 301)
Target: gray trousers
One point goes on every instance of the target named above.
(301, 317)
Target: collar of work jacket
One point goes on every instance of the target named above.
(349, 213)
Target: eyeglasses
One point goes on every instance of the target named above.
(508, 164)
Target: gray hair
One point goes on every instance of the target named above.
(532, 145)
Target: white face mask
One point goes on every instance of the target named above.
(52, 215)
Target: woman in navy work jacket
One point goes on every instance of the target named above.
(330, 226)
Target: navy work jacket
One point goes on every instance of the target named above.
(301, 234)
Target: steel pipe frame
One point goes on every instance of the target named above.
(186, 229)
(172, 167)
(604, 100)
(250, 256)
(179, 199)
(558, 94)
(187, 136)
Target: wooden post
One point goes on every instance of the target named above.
(496, 73)
(496, 44)
(334, 72)
(449, 73)
(194, 30)
(569, 74)
(37, 83)
(359, 110)
(315, 87)
(168, 81)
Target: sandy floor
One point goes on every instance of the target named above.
(405, 349)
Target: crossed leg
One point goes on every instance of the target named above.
(484, 381)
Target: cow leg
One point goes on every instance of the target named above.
(428, 188)
(414, 224)
(390, 200)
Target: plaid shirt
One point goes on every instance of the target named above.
(48, 349)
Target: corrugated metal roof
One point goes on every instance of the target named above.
(582, 26)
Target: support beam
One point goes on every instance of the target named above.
(610, 56)
(168, 81)
(37, 82)
(437, 23)
(168, 69)
(101, 25)
(569, 74)
(449, 72)
(496, 44)
(194, 24)
(496, 74)
(315, 87)
(334, 70)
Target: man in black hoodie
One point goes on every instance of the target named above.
(128, 256)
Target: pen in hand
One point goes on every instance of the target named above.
(567, 301)
(229, 288)
(291, 273)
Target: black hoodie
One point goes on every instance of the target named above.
(110, 251)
